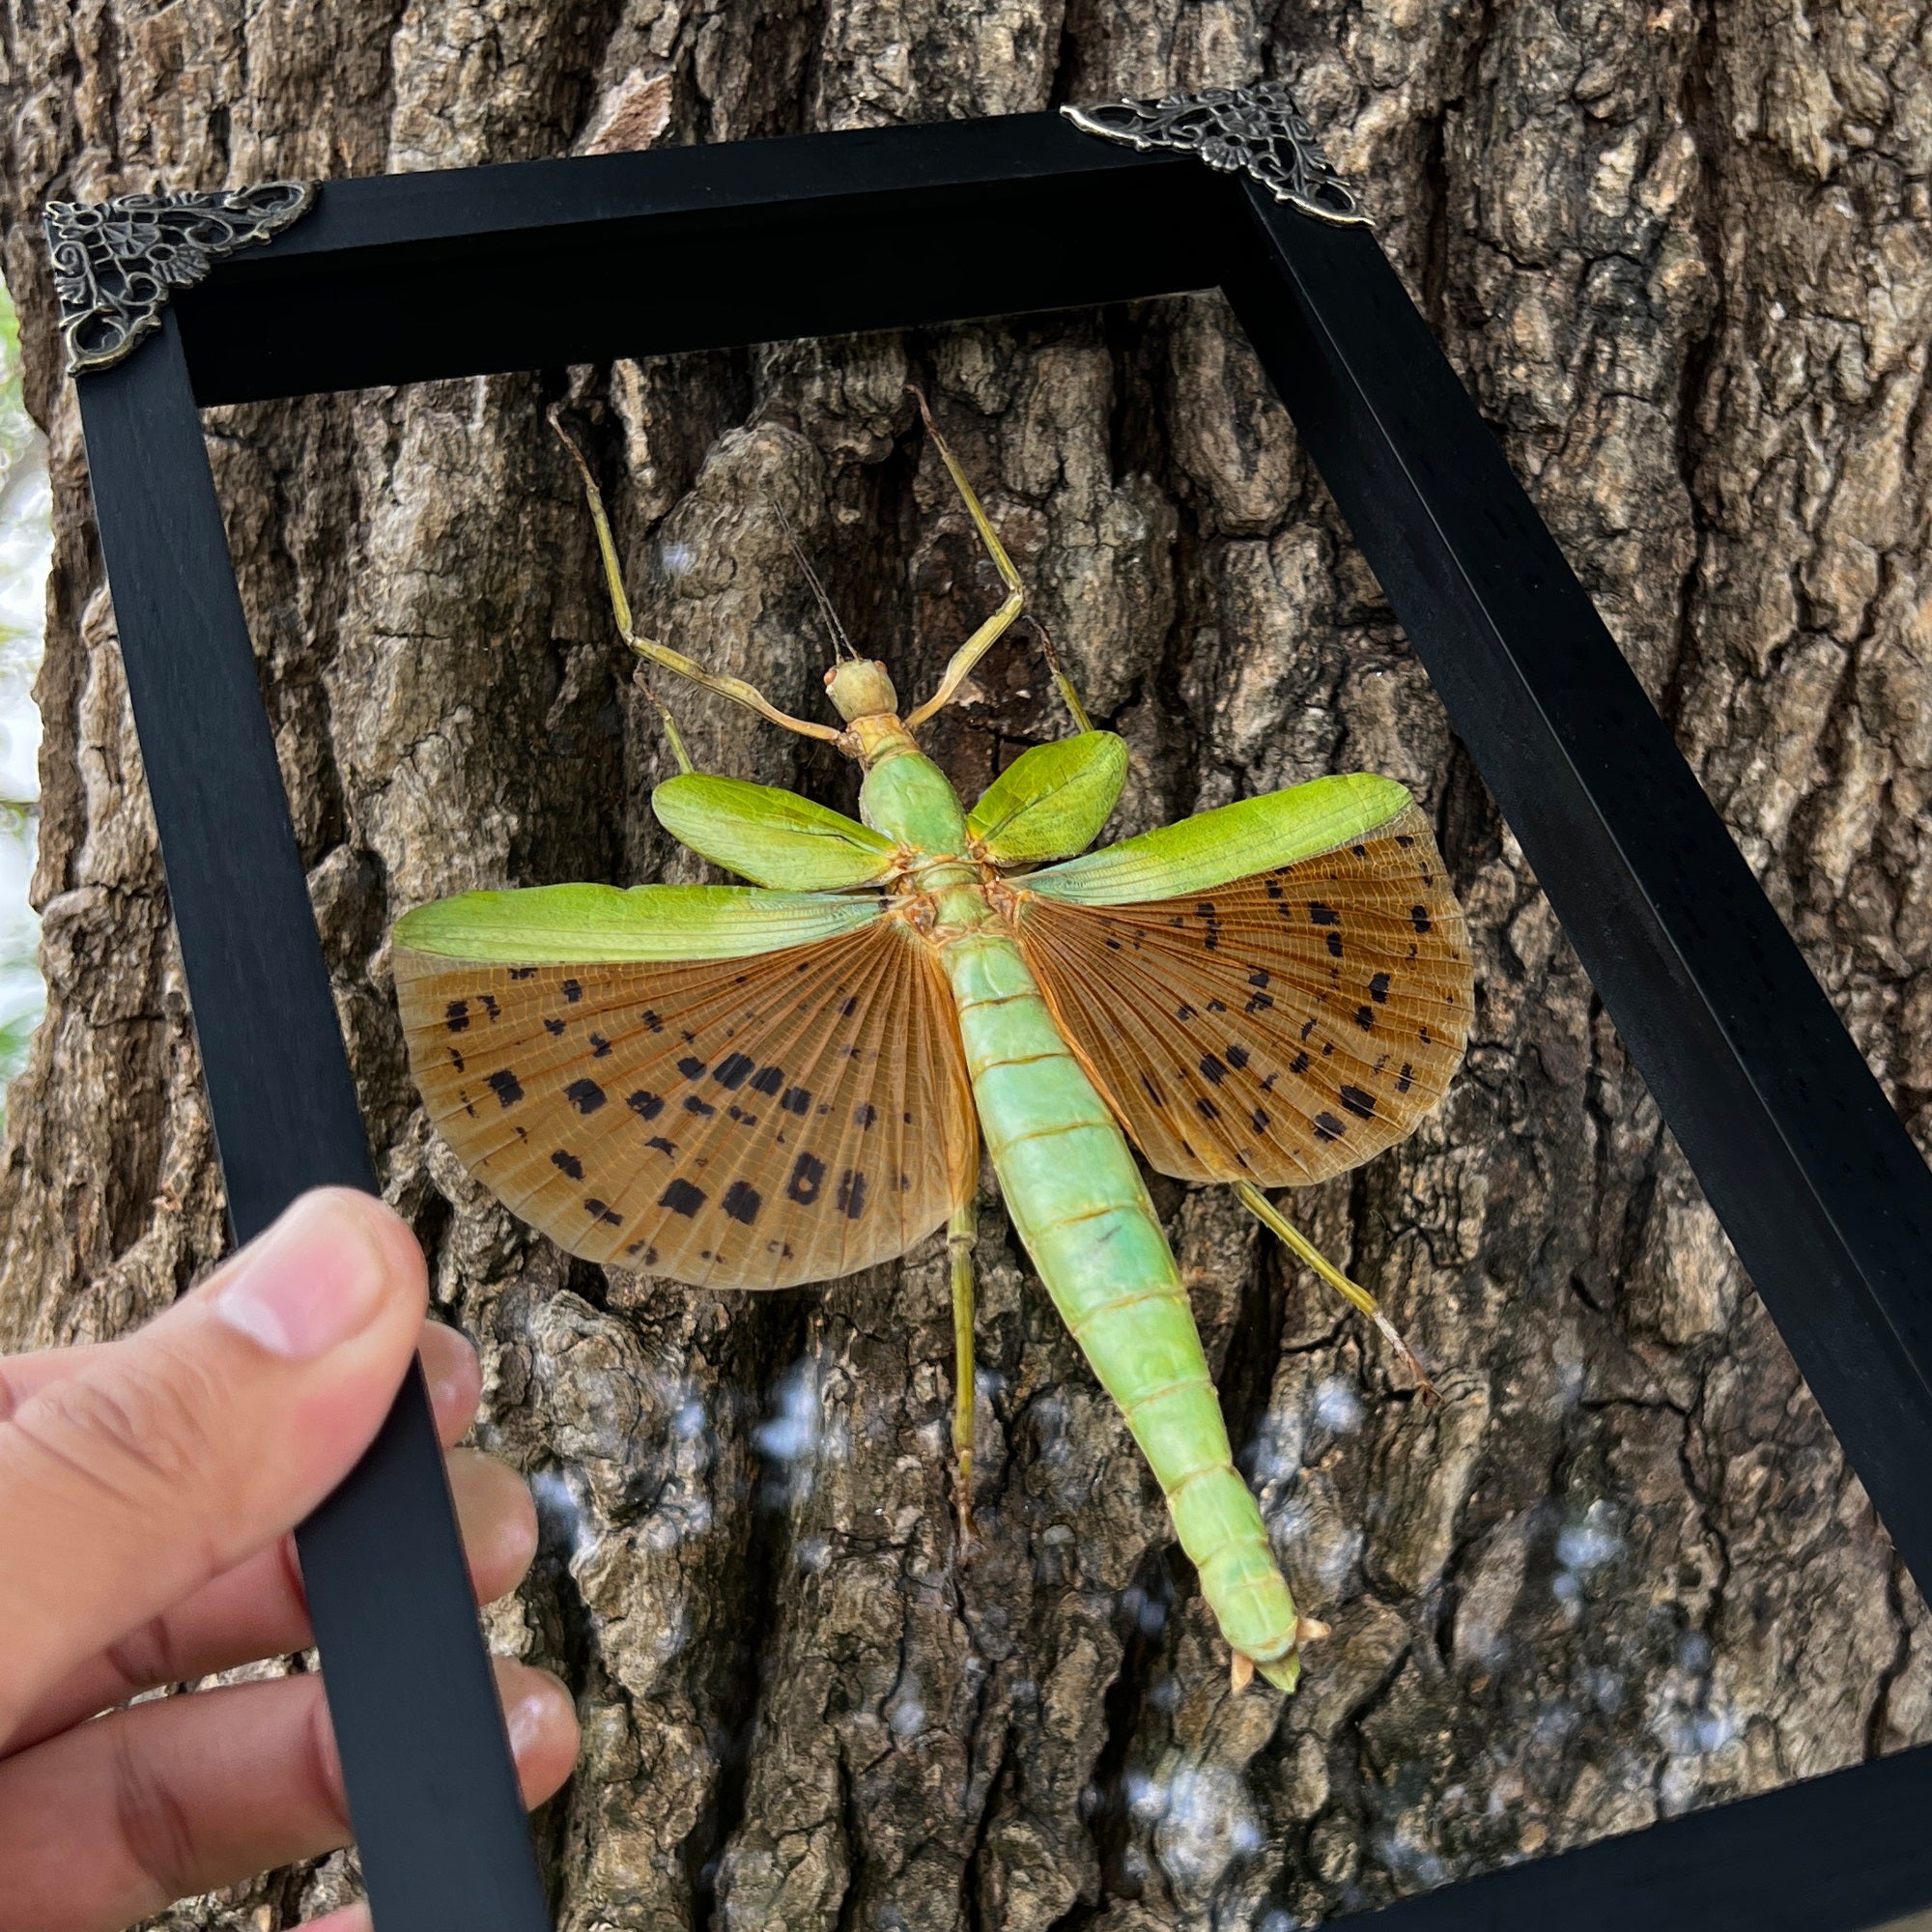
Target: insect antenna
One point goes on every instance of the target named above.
(842, 644)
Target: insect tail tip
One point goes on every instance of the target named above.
(1240, 1671)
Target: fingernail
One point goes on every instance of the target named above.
(540, 1704)
(313, 1282)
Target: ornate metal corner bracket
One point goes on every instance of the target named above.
(116, 263)
(1254, 130)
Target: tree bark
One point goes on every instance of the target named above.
(1679, 252)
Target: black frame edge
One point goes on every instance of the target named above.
(1724, 1869)
(1816, 1180)
(426, 1760)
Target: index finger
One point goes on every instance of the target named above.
(178, 1452)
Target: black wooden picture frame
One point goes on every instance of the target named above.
(402, 280)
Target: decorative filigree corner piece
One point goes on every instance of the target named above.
(116, 263)
(1255, 131)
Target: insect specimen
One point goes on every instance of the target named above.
(756, 1086)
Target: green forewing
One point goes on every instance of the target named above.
(770, 835)
(1236, 841)
(582, 924)
(1051, 801)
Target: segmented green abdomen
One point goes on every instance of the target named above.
(1077, 1199)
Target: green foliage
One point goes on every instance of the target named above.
(25, 545)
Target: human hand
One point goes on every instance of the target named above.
(147, 1489)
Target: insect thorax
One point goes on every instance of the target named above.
(908, 798)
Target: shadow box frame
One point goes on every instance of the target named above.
(402, 279)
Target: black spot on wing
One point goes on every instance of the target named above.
(1327, 1127)
(851, 1195)
(456, 1015)
(1358, 1102)
(768, 1080)
(741, 1202)
(1379, 989)
(572, 990)
(681, 1197)
(645, 1104)
(691, 1066)
(585, 1095)
(808, 1180)
(567, 1163)
(734, 1071)
(506, 1086)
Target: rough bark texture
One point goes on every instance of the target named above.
(1680, 254)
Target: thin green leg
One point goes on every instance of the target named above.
(990, 633)
(653, 652)
(1352, 1293)
(960, 1232)
(1064, 684)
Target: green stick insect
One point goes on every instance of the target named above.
(756, 1086)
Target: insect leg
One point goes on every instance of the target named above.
(653, 652)
(990, 632)
(1352, 1293)
(1064, 684)
(959, 1235)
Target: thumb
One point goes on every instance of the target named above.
(173, 1455)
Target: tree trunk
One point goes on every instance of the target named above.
(1679, 253)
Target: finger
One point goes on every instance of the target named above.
(197, 1442)
(113, 1822)
(455, 1379)
(350, 1918)
(450, 1362)
(258, 1609)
